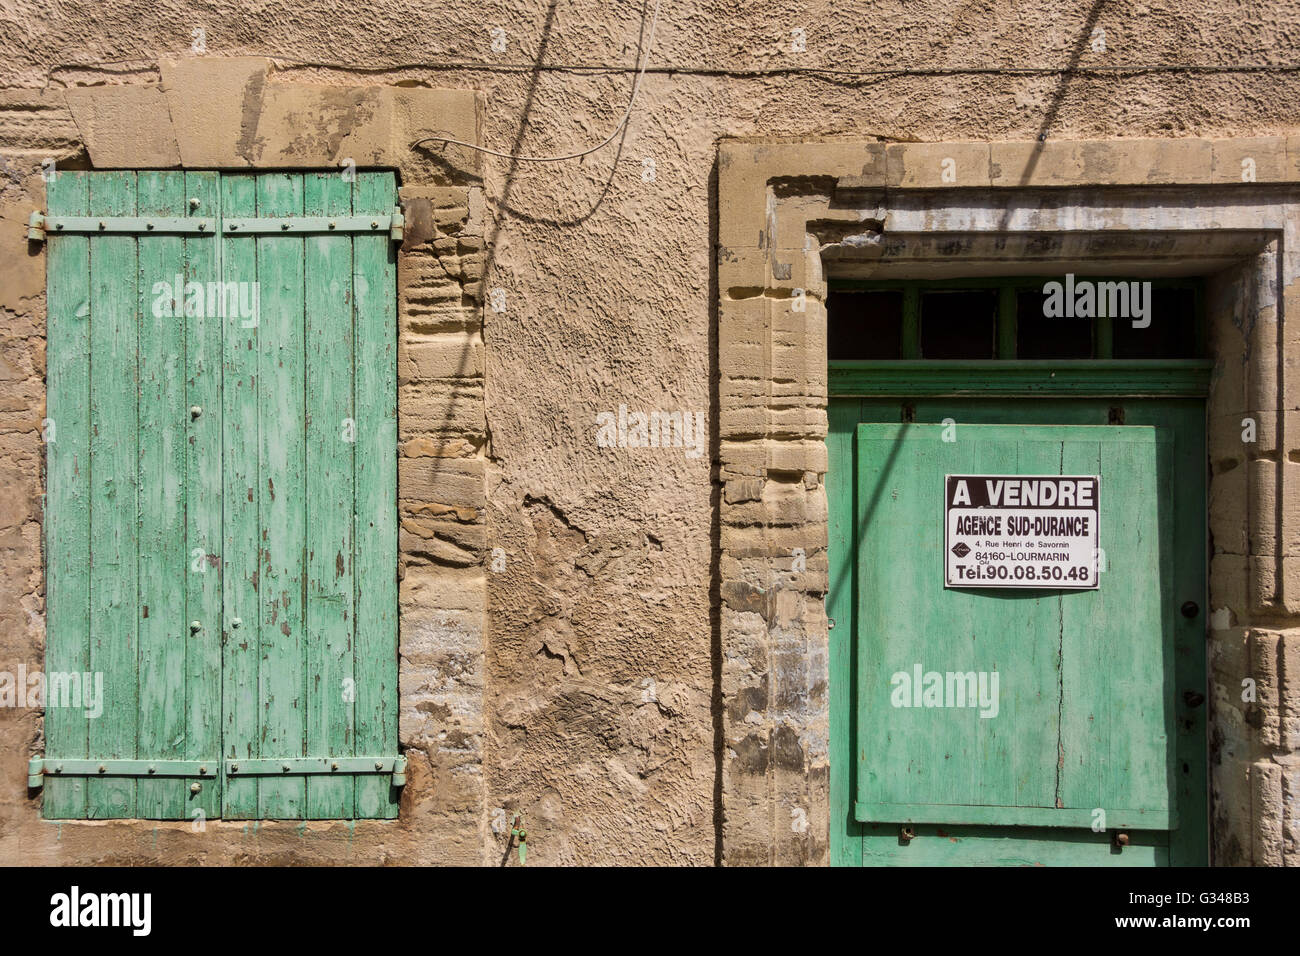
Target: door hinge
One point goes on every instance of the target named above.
(36, 227)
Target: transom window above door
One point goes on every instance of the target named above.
(1064, 317)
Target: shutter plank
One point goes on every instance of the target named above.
(329, 495)
(282, 511)
(162, 625)
(242, 491)
(376, 495)
(114, 508)
(203, 503)
(67, 477)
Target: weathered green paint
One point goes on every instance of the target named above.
(242, 490)
(1074, 729)
(163, 564)
(330, 494)
(375, 517)
(282, 509)
(1180, 665)
(201, 466)
(114, 465)
(67, 492)
(203, 507)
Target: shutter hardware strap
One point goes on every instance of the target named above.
(39, 226)
(40, 767)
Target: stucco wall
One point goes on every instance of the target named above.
(598, 677)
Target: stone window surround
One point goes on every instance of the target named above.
(236, 113)
(790, 213)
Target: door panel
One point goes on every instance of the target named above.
(1068, 723)
(1072, 717)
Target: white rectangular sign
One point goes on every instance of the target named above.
(1021, 531)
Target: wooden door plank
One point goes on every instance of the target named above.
(1117, 727)
(282, 509)
(375, 548)
(163, 628)
(1088, 661)
(242, 489)
(1022, 644)
(203, 496)
(114, 507)
(877, 523)
(330, 436)
(67, 478)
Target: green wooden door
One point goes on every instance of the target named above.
(1085, 720)
(221, 495)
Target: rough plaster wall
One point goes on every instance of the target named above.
(600, 665)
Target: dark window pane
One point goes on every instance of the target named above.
(864, 325)
(1171, 334)
(1043, 337)
(959, 325)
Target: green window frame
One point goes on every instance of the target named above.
(221, 480)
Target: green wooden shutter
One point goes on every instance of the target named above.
(221, 495)
(1080, 724)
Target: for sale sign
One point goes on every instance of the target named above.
(1021, 531)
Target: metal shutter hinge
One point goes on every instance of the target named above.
(300, 225)
(40, 225)
(318, 766)
(58, 767)
(116, 225)
(35, 773)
